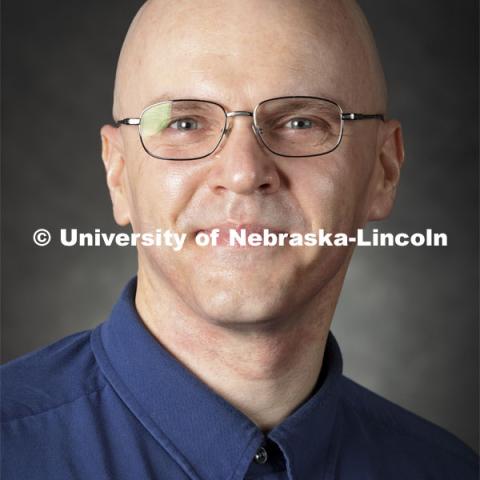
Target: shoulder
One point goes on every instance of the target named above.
(393, 427)
(47, 378)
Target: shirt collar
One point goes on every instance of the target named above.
(191, 421)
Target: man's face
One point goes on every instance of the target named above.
(239, 56)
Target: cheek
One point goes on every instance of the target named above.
(158, 191)
(332, 190)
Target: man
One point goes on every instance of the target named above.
(217, 361)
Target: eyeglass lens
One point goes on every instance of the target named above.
(188, 129)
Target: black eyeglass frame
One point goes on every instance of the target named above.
(256, 129)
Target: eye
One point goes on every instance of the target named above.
(299, 123)
(184, 124)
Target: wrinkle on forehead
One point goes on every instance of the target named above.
(322, 30)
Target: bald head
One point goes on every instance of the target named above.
(203, 48)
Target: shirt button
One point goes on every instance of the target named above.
(261, 456)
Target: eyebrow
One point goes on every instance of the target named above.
(166, 96)
(201, 106)
(170, 95)
(302, 103)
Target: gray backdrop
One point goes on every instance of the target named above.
(407, 319)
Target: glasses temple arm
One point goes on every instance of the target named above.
(362, 116)
(127, 121)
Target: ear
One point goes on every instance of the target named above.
(113, 160)
(389, 161)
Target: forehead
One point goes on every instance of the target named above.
(242, 55)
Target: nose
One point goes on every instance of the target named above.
(241, 164)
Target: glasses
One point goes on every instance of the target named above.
(294, 126)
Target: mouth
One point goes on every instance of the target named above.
(229, 234)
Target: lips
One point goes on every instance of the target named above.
(246, 228)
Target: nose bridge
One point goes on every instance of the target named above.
(239, 113)
(242, 113)
(236, 113)
(243, 170)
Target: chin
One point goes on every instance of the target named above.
(242, 305)
(228, 316)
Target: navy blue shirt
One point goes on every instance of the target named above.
(112, 403)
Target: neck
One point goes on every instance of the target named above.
(265, 372)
